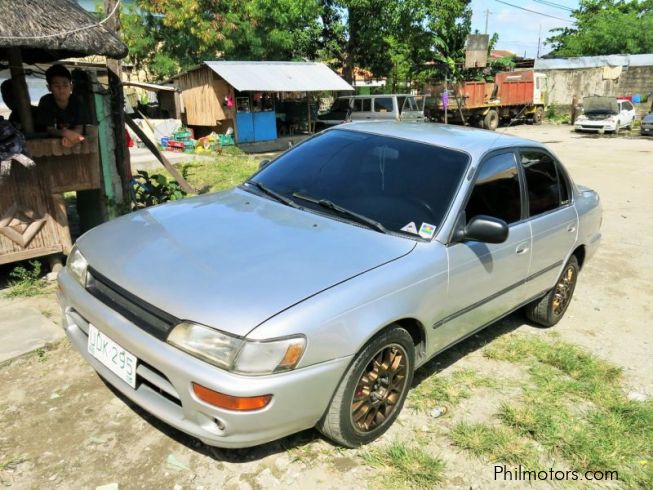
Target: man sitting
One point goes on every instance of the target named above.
(58, 111)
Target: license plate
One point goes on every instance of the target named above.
(117, 359)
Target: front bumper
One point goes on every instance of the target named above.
(598, 126)
(647, 130)
(165, 373)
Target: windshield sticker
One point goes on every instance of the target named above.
(427, 230)
(410, 228)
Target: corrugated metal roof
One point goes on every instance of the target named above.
(594, 61)
(278, 76)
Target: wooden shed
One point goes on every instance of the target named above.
(33, 214)
(252, 96)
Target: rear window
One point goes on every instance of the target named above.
(393, 181)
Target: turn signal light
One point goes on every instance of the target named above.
(228, 402)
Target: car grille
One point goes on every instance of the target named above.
(151, 319)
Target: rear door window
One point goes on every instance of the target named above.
(546, 190)
(383, 104)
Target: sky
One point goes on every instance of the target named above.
(518, 30)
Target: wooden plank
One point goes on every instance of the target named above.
(157, 153)
(29, 254)
(21, 93)
(61, 217)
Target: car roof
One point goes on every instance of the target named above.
(476, 142)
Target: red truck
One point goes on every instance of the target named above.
(513, 95)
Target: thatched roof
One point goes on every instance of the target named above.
(48, 30)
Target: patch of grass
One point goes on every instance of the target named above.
(452, 389)
(26, 281)
(495, 443)
(11, 463)
(405, 466)
(222, 173)
(575, 408)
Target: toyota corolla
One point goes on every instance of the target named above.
(310, 294)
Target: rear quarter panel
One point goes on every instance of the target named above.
(590, 217)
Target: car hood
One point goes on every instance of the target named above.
(234, 259)
(600, 104)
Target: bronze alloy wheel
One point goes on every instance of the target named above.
(564, 290)
(380, 388)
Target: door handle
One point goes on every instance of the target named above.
(571, 228)
(521, 249)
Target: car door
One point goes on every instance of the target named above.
(361, 108)
(629, 113)
(486, 280)
(552, 217)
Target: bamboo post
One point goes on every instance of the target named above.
(308, 102)
(114, 67)
(23, 101)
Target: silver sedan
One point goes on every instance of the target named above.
(309, 295)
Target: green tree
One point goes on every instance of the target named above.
(166, 36)
(606, 27)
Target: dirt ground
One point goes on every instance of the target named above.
(60, 426)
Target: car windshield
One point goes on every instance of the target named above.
(402, 185)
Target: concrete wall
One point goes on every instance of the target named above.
(564, 84)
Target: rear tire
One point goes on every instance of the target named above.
(550, 308)
(491, 120)
(372, 391)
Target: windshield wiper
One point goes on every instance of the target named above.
(281, 198)
(325, 203)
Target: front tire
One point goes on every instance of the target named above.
(372, 391)
(550, 308)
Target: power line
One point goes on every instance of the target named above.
(67, 33)
(534, 11)
(554, 5)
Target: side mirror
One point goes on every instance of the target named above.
(486, 229)
(263, 163)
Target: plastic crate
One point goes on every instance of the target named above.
(183, 134)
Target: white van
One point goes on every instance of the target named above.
(399, 107)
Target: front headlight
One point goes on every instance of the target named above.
(581, 118)
(235, 353)
(77, 265)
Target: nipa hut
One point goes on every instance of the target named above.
(33, 213)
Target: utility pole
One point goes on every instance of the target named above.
(487, 17)
(539, 38)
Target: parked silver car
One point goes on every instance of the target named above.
(310, 294)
